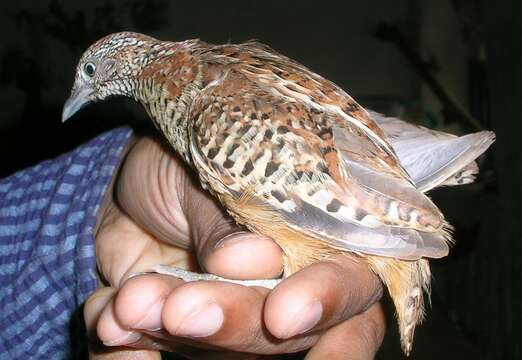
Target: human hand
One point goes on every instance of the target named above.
(159, 215)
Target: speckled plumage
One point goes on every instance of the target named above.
(292, 156)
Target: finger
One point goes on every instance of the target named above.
(133, 317)
(227, 316)
(243, 255)
(111, 332)
(126, 354)
(94, 306)
(211, 314)
(137, 306)
(356, 339)
(320, 296)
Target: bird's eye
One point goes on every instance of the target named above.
(89, 69)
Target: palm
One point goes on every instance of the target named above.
(123, 249)
(136, 231)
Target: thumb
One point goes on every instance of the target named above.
(223, 247)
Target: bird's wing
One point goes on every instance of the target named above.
(434, 158)
(321, 174)
(287, 80)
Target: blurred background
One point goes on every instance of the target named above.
(453, 65)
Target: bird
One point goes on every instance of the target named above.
(289, 154)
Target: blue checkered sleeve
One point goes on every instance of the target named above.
(47, 260)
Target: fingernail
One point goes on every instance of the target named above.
(202, 322)
(152, 320)
(134, 274)
(306, 319)
(128, 338)
(233, 238)
(241, 240)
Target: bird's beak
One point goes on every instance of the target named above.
(80, 97)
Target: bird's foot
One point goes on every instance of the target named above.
(189, 276)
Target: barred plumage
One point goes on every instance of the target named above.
(293, 156)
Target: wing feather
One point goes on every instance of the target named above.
(288, 154)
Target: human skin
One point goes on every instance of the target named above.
(156, 213)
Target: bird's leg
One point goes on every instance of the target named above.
(189, 276)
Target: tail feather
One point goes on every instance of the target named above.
(407, 283)
(434, 158)
(455, 160)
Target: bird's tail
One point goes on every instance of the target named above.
(434, 158)
(407, 281)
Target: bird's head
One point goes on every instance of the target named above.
(107, 68)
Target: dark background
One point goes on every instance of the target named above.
(449, 64)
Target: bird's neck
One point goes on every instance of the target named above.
(166, 87)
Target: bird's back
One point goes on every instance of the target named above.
(263, 121)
